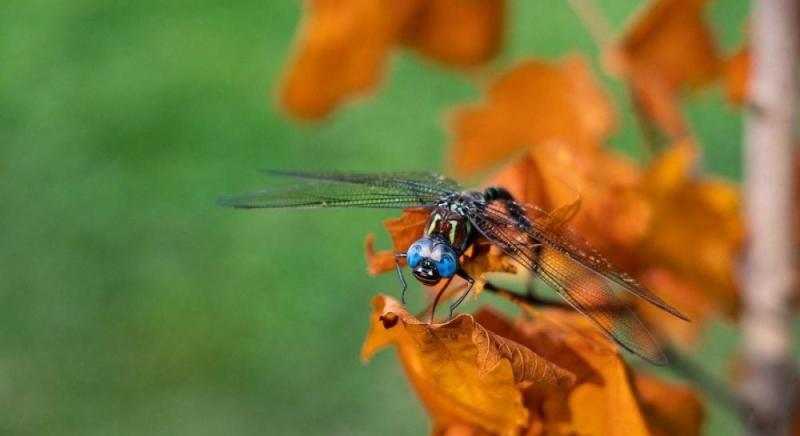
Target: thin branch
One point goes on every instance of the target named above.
(769, 385)
(529, 298)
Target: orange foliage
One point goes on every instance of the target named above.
(458, 32)
(678, 233)
(669, 408)
(611, 215)
(343, 44)
(695, 236)
(576, 382)
(675, 230)
(533, 103)
(404, 231)
(736, 72)
(461, 371)
(668, 47)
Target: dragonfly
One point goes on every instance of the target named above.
(532, 237)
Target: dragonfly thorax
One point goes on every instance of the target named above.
(448, 222)
(432, 259)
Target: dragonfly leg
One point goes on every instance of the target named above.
(436, 299)
(397, 257)
(471, 282)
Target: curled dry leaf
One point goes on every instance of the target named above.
(464, 373)
(458, 32)
(484, 257)
(610, 214)
(343, 44)
(340, 51)
(533, 103)
(695, 304)
(404, 231)
(658, 400)
(696, 232)
(736, 73)
(607, 398)
(669, 47)
(677, 231)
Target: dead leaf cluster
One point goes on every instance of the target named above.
(542, 130)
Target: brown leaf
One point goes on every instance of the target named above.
(697, 228)
(462, 372)
(341, 49)
(458, 32)
(533, 103)
(679, 232)
(695, 304)
(736, 73)
(604, 399)
(669, 47)
(343, 44)
(404, 231)
(658, 400)
(601, 185)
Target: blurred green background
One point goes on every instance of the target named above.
(132, 305)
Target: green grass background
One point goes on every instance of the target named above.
(130, 304)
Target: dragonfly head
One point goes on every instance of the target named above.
(432, 260)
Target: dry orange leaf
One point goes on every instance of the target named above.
(343, 44)
(533, 103)
(669, 408)
(458, 32)
(605, 399)
(677, 232)
(341, 49)
(736, 72)
(611, 214)
(404, 231)
(462, 372)
(697, 229)
(668, 47)
(695, 304)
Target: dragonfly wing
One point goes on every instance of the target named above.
(574, 247)
(583, 288)
(347, 190)
(591, 295)
(416, 181)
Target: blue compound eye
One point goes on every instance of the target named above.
(414, 255)
(446, 265)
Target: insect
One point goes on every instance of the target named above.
(528, 235)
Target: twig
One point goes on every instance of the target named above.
(529, 298)
(769, 385)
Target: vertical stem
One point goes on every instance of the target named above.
(769, 387)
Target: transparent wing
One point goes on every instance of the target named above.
(544, 228)
(347, 190)
(418, 181)
(584, 288)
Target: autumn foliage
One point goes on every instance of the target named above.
(541, 130)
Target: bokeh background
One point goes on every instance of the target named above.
(130, 304)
